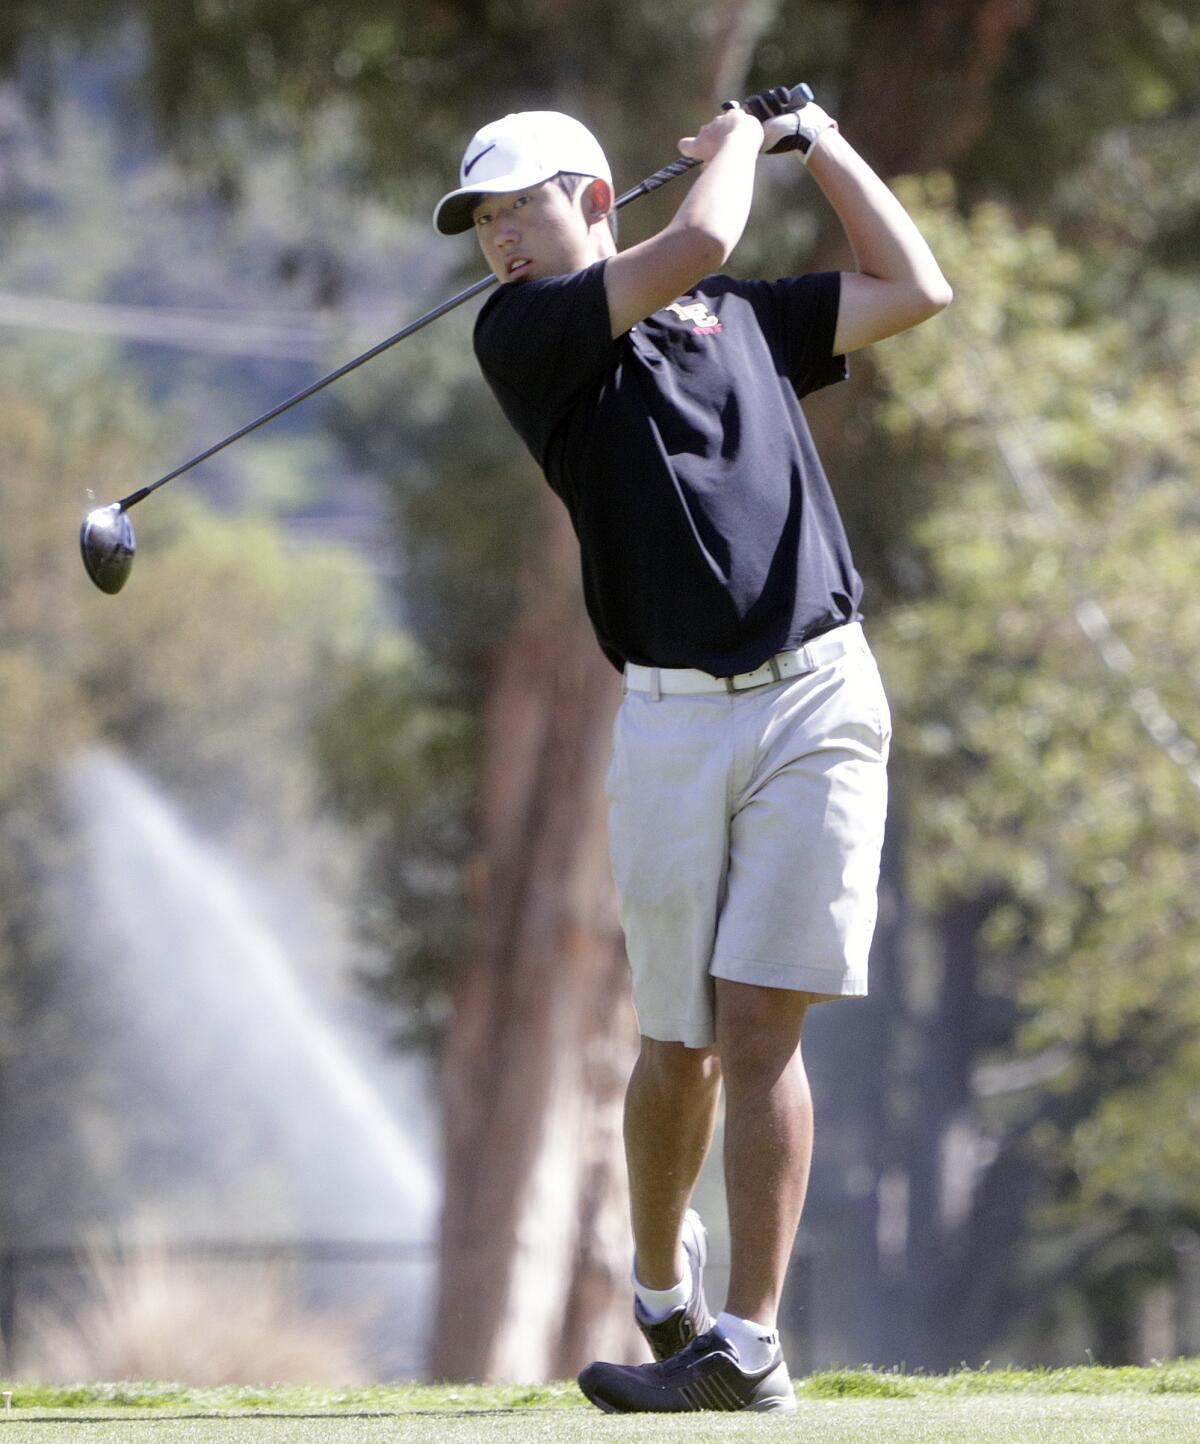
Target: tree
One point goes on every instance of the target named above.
(1050, 800)
(974, 85)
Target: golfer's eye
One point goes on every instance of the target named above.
(520, 201)
(483, 219)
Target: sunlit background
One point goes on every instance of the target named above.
(313, 1022)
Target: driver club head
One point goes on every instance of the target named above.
(107, 543)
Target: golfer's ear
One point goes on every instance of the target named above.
(597, 201)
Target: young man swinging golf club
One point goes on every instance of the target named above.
(747, 786)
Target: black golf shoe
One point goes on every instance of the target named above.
(704, 1375)
(682, 1325)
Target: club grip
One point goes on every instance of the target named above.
(776, 101)
(762, 106)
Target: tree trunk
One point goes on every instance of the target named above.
(535, 1242)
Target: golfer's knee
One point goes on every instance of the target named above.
(675, 1067)
(759, 1031)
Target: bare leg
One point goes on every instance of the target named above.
(768, 1138)
(670, 1111)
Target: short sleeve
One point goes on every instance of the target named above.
(540, 343)
(800, 314)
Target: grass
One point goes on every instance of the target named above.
(1157, 1405)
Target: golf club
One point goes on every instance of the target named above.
(106, 538)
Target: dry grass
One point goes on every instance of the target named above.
(145, 1315)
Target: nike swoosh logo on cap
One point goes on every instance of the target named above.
(479, 155)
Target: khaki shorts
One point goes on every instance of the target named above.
(745, 831)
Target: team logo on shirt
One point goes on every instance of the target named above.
(704, 323)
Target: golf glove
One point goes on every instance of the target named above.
(797, 130)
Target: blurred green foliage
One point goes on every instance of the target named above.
(1055, 446)
(1037, 997)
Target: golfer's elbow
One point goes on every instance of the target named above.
(922, 302)
(940, 296)
(934, 294)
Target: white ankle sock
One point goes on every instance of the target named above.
(656, 1304)
(756, 1345)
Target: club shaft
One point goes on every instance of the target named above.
(796, 98)
(473, 290)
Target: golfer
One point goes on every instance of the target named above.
(747, 786)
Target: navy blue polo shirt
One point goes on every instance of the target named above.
(708, 533)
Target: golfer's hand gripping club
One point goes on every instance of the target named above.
(798, 130)
(779, 101)
(106, 537)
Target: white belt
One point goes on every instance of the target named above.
(797, 663)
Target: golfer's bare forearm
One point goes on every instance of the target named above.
(718, 204)
(701, 234)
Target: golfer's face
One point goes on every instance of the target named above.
(535, 232)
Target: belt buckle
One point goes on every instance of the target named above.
(771, 665)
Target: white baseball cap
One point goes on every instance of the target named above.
(512, 154)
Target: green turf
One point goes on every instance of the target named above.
(1158, 1405)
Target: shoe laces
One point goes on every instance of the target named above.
(702, 1345)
